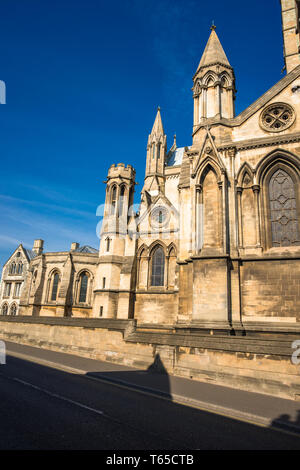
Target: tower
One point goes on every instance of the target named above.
(115, 245)
(214, 84)
(290, 30)
(156, 154)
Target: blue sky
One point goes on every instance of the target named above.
(84, 79)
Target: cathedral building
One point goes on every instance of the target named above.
(205, 275)
(216, 241)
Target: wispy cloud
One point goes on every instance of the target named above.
(6, 240)
(54, 207)
(54, 194)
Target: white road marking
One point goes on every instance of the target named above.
(55, 395)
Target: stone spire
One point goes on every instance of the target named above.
(156, 155)
(213, 52)
(214, 84)
(157, 128)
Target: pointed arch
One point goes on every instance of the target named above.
(225, 79)
(210, 78)
(172, 265)
(143, 260)
(209, 203)
(243, 171)
(172, 247)
(278, 175)
(157, 264)
(13, 268)
(113, 199)
(278, 155)
(83, 286)
(154, 244)
(209, 163)
(20, 268)
(13, 309)
(122, 198)
(4, 308)
(197, 86)
(143, 250)
(54, 280)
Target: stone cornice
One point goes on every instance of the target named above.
(212, 64)
(262, 142)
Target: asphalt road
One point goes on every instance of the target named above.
(45, 408)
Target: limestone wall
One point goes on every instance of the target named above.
(270, 289)
(260, 363)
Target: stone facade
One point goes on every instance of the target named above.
(217, 237)
(60, 283)
(14, 275)
(216, 240)
(207, 273)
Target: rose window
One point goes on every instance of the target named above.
(277, 117)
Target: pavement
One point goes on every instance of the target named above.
(255, 408)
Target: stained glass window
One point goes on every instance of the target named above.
(158, 267)
(83, 287)
(283, 210)
(55, 286)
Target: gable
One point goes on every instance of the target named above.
(160, 216)
(24, 256)
(255, 126)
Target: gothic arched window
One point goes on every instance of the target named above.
(113, 199)
(158, 267)
(4, 309)
(83, 287)
(13, 309)
(55, 286)
(122, 197)
(158, 150)
(108, 240)
(283, 210)
(12, 268)
(20, 268)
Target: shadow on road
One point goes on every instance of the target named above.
(285, 422)
(155, 378)
(43, 403)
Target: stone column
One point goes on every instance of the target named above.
(199, 221)
(239, 191)
(204, 99)
(221, 214)
(256, 190)
(218, 99)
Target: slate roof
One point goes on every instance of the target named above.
(30, 253)
(86, 249)
(175, 157)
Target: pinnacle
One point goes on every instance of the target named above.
(158, 126)
(213, 52)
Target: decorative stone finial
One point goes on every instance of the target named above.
(213, 26)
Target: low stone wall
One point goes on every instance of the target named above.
(260, 364)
